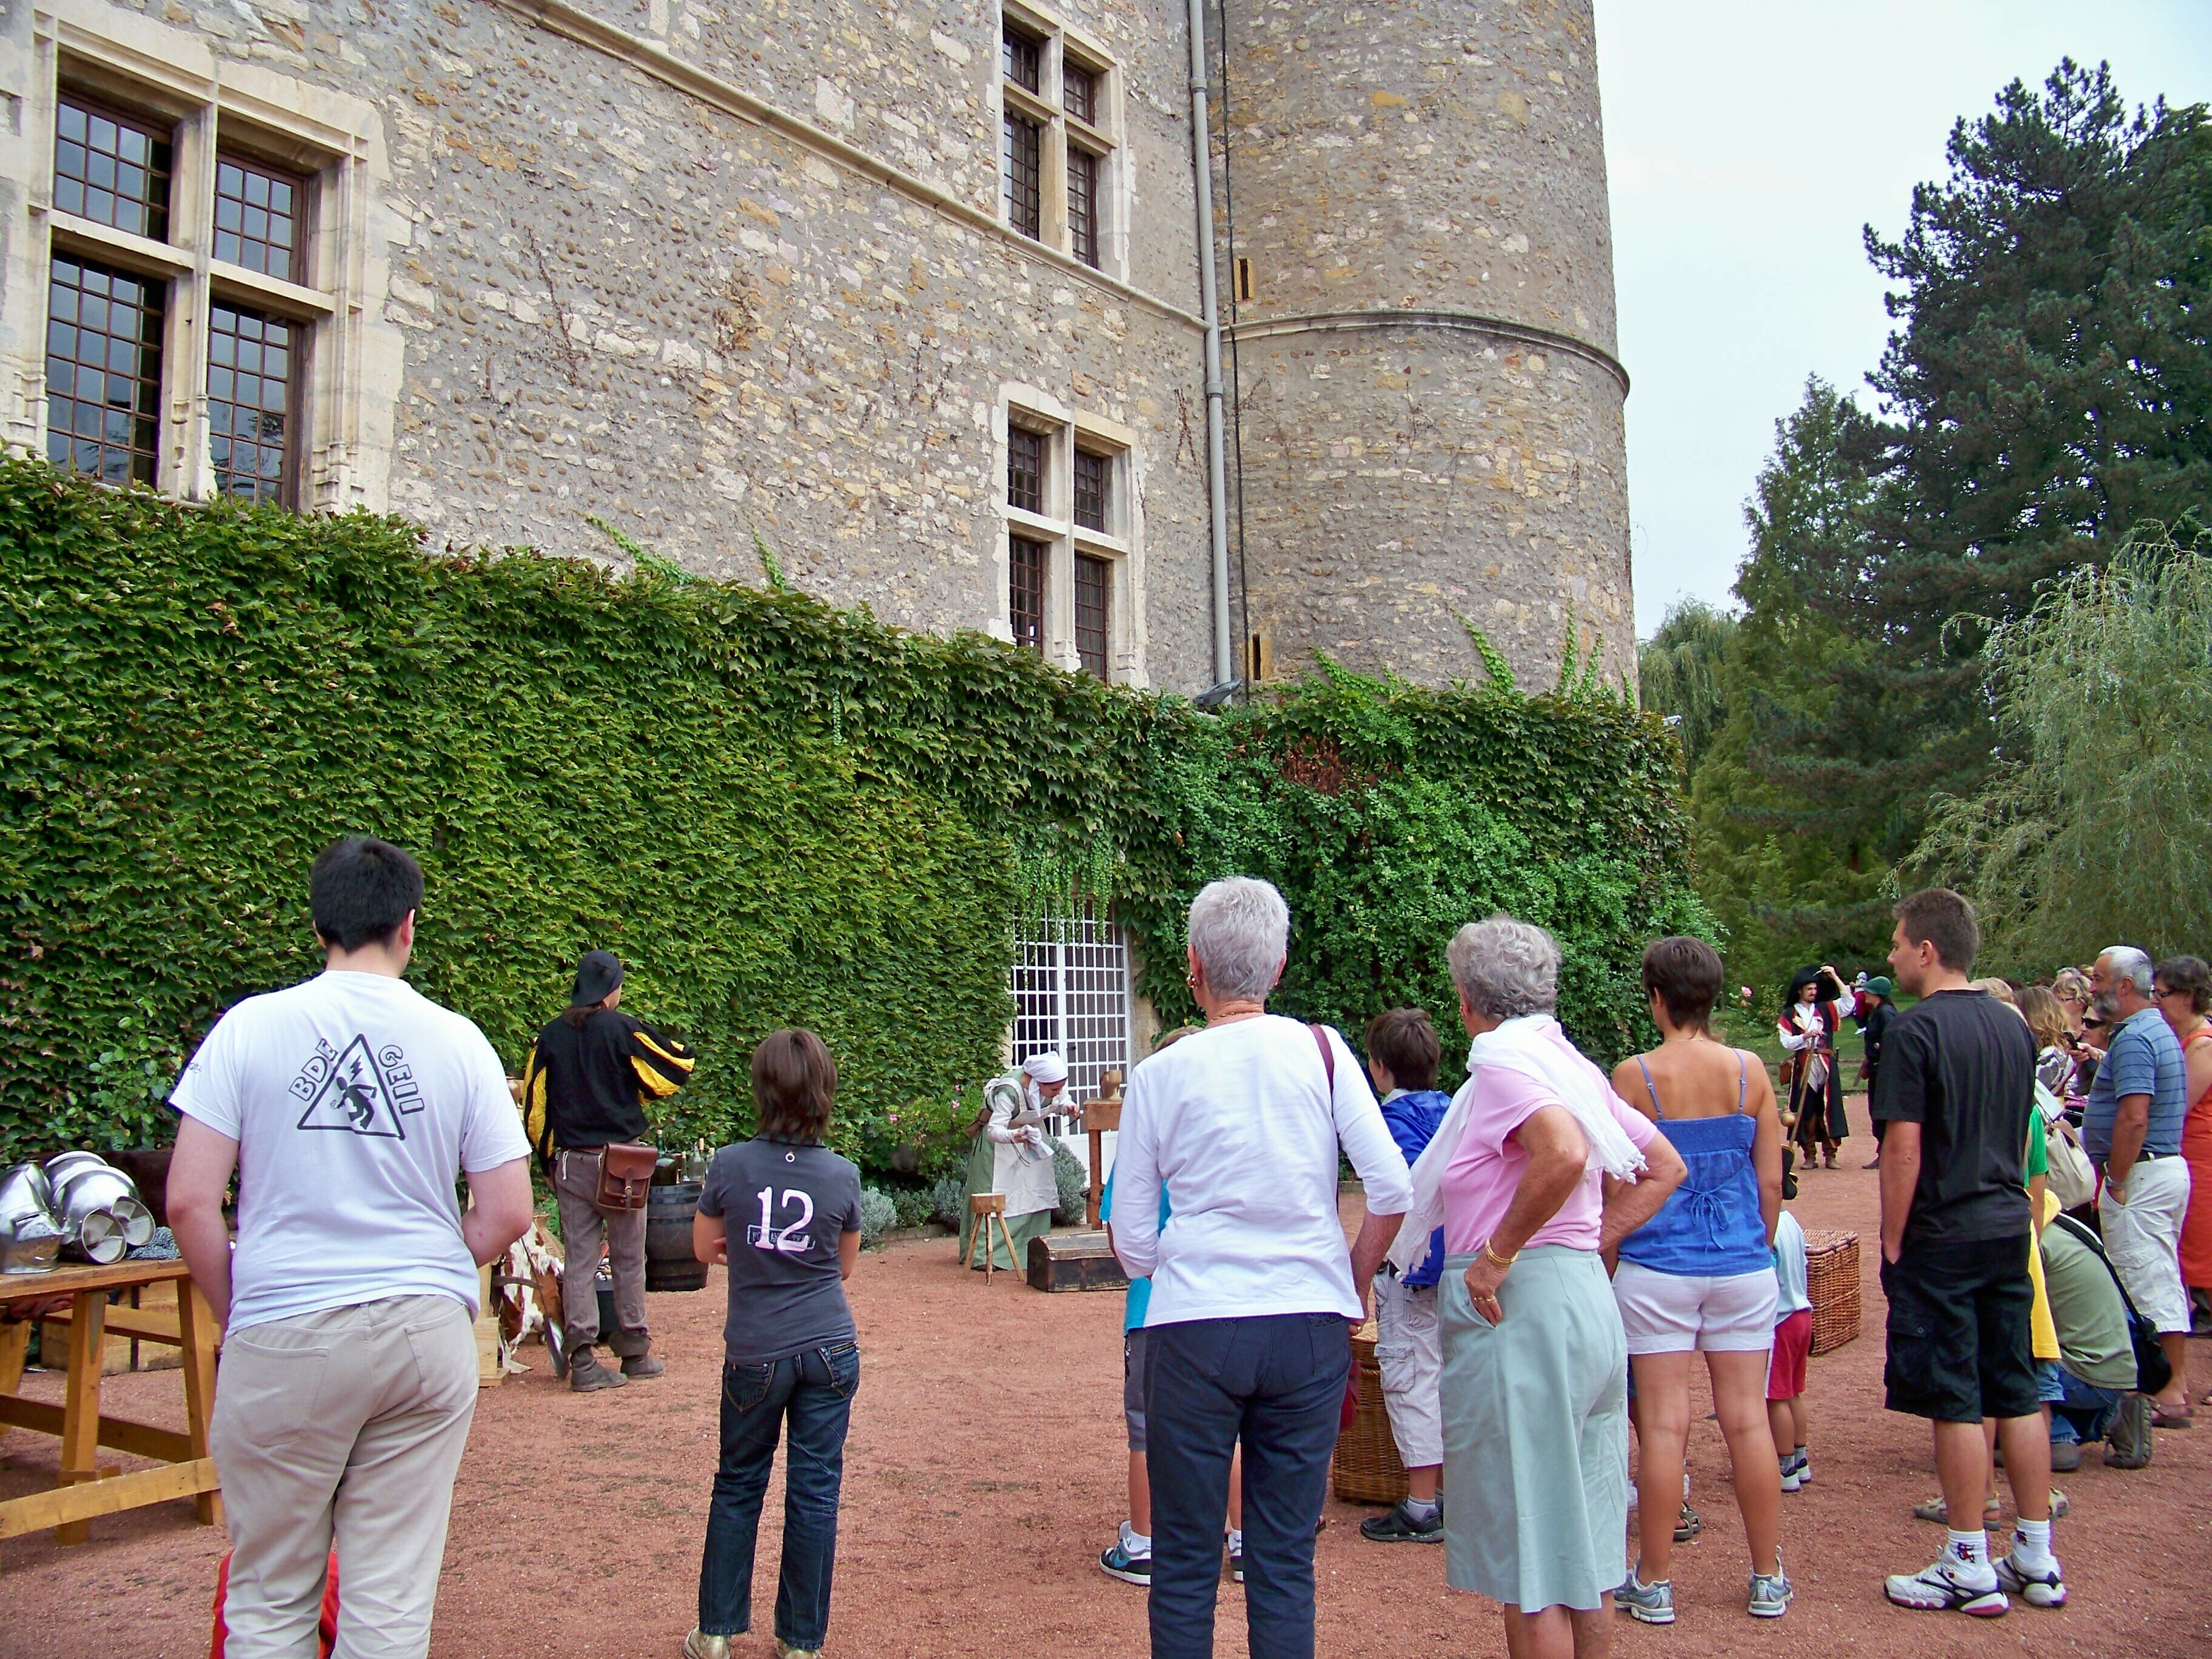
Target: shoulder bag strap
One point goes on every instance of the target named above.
(1327, 1060)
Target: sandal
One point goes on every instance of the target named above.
(2165, 1420)
(1687, 1524)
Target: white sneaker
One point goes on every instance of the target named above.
(1791, 1479)
(2040, 1587)
(1933, 1589)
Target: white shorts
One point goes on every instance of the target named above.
(1677, 1313)
(2143, 1236)
(1409, 1348)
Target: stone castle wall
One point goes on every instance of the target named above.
(1431, 418)
(621, 302)
(621, 292)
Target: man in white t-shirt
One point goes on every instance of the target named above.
(347, 1104)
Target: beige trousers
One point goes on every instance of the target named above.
(346, 1425)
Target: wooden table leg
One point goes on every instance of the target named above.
(15, 1349)
(196, 1321)
(88, 1337)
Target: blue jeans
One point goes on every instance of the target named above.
(814, 1389)
(2079, 1411)
(1277, 1384)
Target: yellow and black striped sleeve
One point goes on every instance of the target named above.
(537, 1123)
(662, 1064)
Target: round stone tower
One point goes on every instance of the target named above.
(1422, 273)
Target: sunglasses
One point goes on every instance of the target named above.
(2092, 1024)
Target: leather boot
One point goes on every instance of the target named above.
(588, 1375)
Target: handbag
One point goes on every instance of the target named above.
(625, 1175)
(2070, 1179)
(2153, 1369)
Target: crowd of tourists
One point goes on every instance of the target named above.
(1544, 1252)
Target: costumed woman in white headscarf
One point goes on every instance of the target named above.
(1013, 1155)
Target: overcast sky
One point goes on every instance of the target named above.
(1747, 145)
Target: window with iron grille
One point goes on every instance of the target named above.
(1021, 57)
(1071, 985)
(1025, 470)
(251, 358)
(1083, 205)
(110, 169)
(103, 371)
(1078, 93)
(1024, 156)
(1091, 474)
(1025, 562)
(257, 217)
(1094, 601)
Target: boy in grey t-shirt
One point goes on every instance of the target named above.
(782, 1212)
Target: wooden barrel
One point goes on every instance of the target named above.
(669, 1263)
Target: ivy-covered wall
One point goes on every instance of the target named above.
(776, 811)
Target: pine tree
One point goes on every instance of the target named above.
(2051, 385)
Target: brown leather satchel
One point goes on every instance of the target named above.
(625, 1175)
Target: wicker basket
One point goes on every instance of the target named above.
(1831, 1278)
(1367, 1469)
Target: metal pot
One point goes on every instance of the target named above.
(100, 1188)
(30, 1237)
(62, 1166)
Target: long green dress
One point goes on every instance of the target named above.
(1026, 1184)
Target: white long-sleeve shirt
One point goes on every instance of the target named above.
(1240, 1122)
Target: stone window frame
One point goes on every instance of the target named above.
(346, 388)
(1101, 138)
(1067, 429)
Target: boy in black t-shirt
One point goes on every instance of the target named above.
(1956, 1089)
(782, 1212)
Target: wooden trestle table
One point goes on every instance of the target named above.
(86, 1489)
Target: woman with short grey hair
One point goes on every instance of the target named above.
(1246, 1334)
(1538, 1168)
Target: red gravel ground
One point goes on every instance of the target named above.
(985, 1472)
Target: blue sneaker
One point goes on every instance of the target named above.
(1650, 1604)
(1119, 1561)
(1771, 1592)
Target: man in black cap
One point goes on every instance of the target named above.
(590, 1073)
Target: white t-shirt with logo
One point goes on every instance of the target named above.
(354, 1101)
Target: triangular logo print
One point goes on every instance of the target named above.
(354, 1096)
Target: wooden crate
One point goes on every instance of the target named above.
(1831, 1278)
(1366, 1468)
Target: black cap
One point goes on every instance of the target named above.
(596, 976)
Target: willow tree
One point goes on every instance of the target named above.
(2092, 826)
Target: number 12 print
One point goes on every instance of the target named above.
(790, 1240)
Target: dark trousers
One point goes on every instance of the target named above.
(814, 1391)
(1276, 1384)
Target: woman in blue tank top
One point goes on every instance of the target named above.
(1698, 1277)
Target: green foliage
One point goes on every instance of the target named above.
(2091, 827)
(948, 1201)
(1789, 862)
(2050, 386)
(776, 811)
(1389, 816)
(878, 1215)
(1071, 1185)
(1679, 674)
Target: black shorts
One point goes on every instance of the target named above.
(1958, 1331)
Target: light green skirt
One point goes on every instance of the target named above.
(1535, 1414)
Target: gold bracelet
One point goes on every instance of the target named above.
(1501, 1261)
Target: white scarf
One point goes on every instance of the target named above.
(1533, 1045)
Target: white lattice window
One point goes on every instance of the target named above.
(1071, 985)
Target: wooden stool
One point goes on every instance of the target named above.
(988, 1207)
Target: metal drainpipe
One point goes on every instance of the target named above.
(1202, 162)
